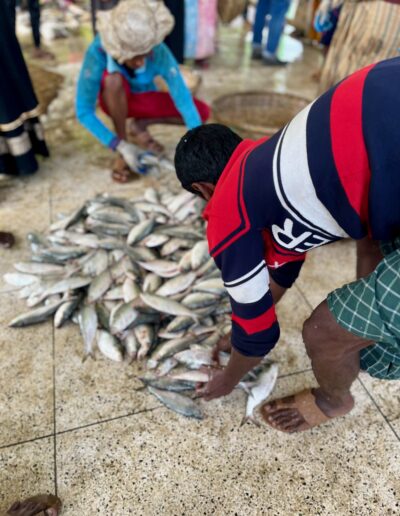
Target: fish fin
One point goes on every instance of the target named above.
(246, 386)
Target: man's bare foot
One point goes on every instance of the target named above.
(7, 240)
(50, 504)
(143, 139)
(303, 411)
(40, 53)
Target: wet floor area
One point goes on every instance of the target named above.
(83, 431)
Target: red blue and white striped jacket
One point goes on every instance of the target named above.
(333, 172)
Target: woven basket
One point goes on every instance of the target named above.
(228, 10)
(46, 85)
(255, 114)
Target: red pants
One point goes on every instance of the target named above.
(152, 104)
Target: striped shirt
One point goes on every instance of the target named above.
(333, 172)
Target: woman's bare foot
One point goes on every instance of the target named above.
(49, 504)
(40, 53)
(303, 411)
(7, 240)
(121, 173)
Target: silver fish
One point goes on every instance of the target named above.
(199, 254)
(64, 285)
(97, 264)
(194, 358)
(151, 282)
(173, 245)
(18, 279)
(122, 318)
(163, 268)
(35, 316)
(170, 348)
(155, 240)
(130, 290)
(185, 263)
(165, 367)
(260, 391)
(191, 376)
(99, 286)
(69, 220)
(167, 384)
(168, 306)
(211, 286)
(65, 311)
(199, 300)
(144, 334)
(182, 322)
(131, 345)
(103, 316)
(139, 231)
(39, 269)
(176, 285)
(109, 346)
(88, 325)
(106, 228)
(177, 402)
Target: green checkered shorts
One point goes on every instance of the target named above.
(370, 308)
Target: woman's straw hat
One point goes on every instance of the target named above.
(134, 27)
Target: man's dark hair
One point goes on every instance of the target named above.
(203, 153)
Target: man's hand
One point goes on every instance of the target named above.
(219, 384)
(130, 153)
(224, 344)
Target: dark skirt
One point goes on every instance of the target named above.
(176, 39)
(21, 135)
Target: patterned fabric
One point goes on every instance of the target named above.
(19, 146)
(370, 308)
(191, 22)
(206, 28)
(21, 135)
(332, 172)
(160, 62)
(367, 32)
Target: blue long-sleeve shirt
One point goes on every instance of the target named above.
(160, 62)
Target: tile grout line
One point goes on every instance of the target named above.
(54, 375)
(304, 297)
(101, 421)
(26, 441)
(54, 415)
(61, 432)
(379, 409)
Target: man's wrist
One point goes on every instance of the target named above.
(114, 143)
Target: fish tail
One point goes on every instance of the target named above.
(90, 354)
(249, 419)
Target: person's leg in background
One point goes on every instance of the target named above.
(11, 6)
(34, 13)
(276, 25)
(258, 27)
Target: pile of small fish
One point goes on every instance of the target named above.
(137, 278)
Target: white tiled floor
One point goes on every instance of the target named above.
(83, 431)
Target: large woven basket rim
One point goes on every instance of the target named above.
(226, 120)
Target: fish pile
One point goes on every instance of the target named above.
(137, 278)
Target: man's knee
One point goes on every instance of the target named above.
(114, 84)
(320, 333)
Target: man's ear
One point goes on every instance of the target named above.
(206, 190)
